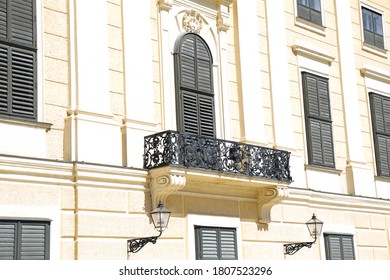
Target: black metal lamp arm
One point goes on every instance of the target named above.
(136, 244)
(292, 248)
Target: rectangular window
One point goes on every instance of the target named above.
(373, 28)
(310, 10)
(24, 240)
(318, 120)
(380, 117)
(18, 59)
(214, 243)
(339, 247)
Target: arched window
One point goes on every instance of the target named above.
(194, 85)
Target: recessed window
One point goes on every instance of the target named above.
(339, 247)
(318, 120)
(24, 240)
(373, 28)
(310, 10)
(18, 59)
(215, 243)
(194, 86)
(380, 116)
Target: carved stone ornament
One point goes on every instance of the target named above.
(267, 198)
(165, 182)
(192, 21)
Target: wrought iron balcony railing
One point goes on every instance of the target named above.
(195, 151)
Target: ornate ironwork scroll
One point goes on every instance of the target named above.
(136, 244)
(291, 249)
(195, 151)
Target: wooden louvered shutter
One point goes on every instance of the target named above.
(194, 86)
(214, 243)
(24, 240)
(7, 241)
(34, 241)
(380, 116)
(339, 247)
(18, 59)
(318, 120)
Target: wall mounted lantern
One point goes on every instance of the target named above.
(160, 217)
(315, 227)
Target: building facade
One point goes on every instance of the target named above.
(244, 117)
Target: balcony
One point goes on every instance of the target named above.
(171, 148)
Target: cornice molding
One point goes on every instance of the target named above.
(375, 73)
(304, 49)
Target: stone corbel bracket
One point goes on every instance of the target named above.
(164, 182)
(268, 197)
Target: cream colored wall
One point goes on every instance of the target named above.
(96, 208)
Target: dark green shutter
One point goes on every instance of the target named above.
(318, 120)
(380, 116)
(7, 241)
(3, 19)
(194, 86)
(4, 77)
(339, 247)
(24, 240)
(213, 243)
(18, 59)
(22, 22)
(190, 112)
(34, 241)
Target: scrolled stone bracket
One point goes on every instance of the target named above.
(164, 182)
(268, 197)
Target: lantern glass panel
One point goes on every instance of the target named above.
(160, 217)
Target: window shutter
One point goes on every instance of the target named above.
(380, 115)
(3, 19)
(194, 86)
(18, 59)
(206, 115)
(339, 247)
(190, 112)
(3, 79)
(22, 18)
(318, 120)
(228, 244)
(187, 66)
(33, 245)
(207, 244)
(203, 67)
(7, 241)
(23, 82)
(24, 240)
(333, 247)
(213, 243)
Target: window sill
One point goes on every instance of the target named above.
(382, 179)
(374, 50)
(42, 125)
(323, 169)
(308, 25)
